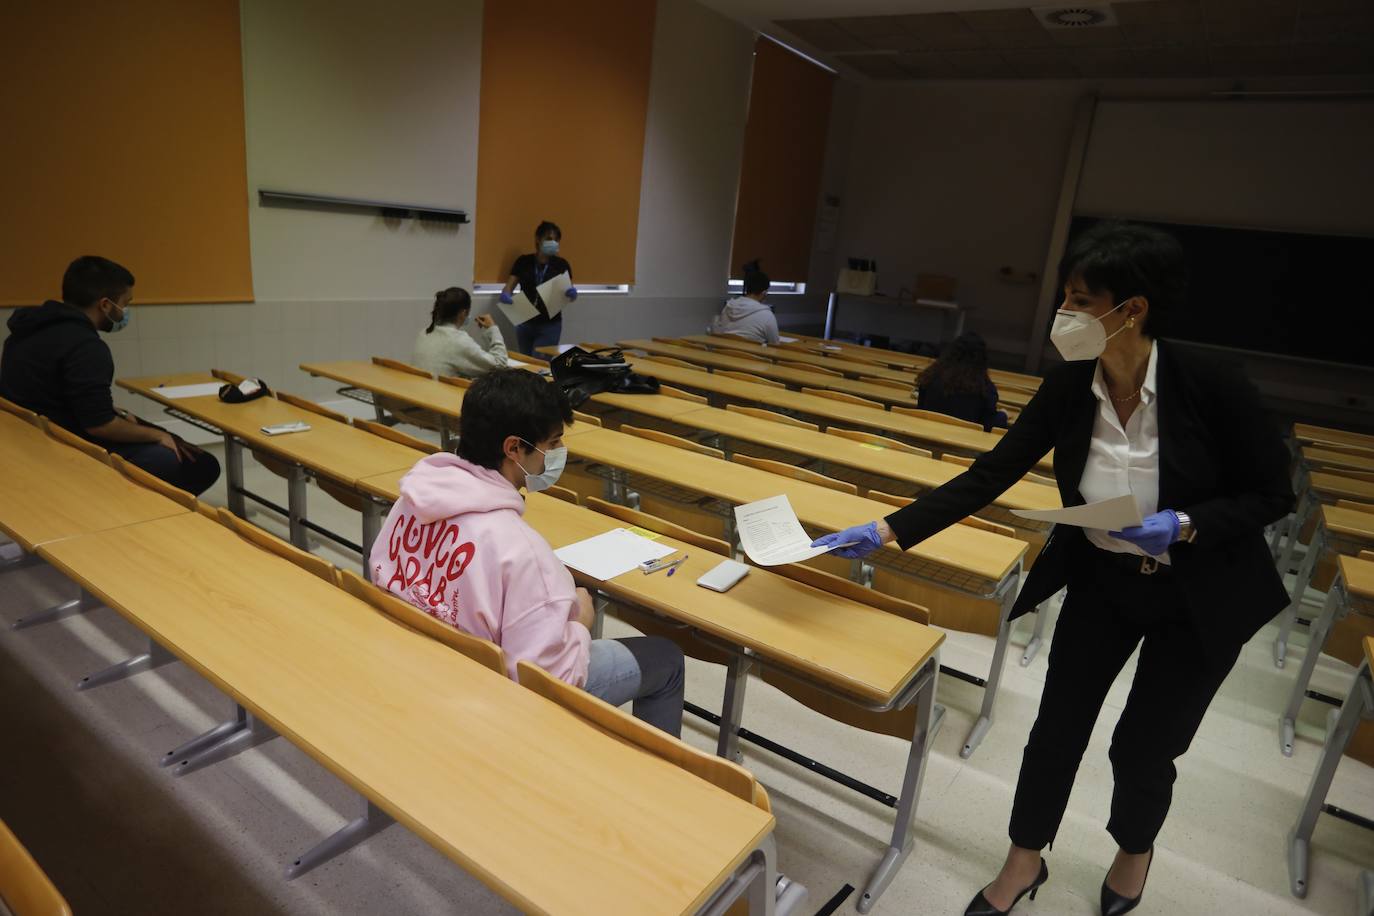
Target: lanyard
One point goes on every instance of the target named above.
(541, 271)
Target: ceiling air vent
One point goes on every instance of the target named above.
(1074, 17)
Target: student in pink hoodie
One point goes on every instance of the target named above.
(455, 546)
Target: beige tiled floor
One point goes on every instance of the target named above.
(79, 782)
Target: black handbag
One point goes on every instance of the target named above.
(581, 374)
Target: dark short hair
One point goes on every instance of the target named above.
(91, 278)
(755, 280)
(1130, 259)
(509, 402)
(448, 305)
(545, 228)
(962, 368)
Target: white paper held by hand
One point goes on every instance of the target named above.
(554, 292)
(771, 535)
(520, 309)
(1107, 514)
(611, 554)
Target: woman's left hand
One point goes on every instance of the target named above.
(1154, 535)
(571, 293)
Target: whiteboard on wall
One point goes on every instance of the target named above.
(1299, 165)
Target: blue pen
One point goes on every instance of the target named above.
(672, 568)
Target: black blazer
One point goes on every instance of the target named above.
(1222, 461)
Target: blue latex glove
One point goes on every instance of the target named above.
(1154, 535)
(571, 293)
(506, 298)
(863, 540)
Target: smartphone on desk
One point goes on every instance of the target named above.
(279, 429)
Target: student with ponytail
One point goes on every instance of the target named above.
(444, 348)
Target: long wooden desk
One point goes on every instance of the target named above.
(1337, 461)
(1314, 487)
(1013, 389)
(1358, 706)
(1308, 432)
(396, 715)
(1338, 529)
(1002, 377)
(865, 658)
(706, 357)
(92, 496)
(1352, 590)
(329, 449)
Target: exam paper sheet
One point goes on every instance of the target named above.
(770, 533)
(1107, 514)
(611, 554)
(177, 392)
(520, 309)
(554, 292)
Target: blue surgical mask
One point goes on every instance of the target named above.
(122, 322)
(549, 247)
(554, 460)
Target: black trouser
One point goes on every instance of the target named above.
(1108, 611)
(194, 475)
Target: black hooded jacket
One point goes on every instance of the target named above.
(55, 364)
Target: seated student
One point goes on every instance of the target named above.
(746, 316)
(957, 384)
(444, 348)
(55, 364)
(456, 547)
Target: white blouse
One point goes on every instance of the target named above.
(1125, 459)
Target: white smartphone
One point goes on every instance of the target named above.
(279, 429)
(723, 576)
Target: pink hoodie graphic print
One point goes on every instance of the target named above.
(456, 546)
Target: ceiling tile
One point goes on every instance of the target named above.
(1021, 38)
(1010, 20)
(1172, 62)
(1337, 8)
(1165, 34)
(877, 66)
(1249, 31)
(872, 29)
(925, 65)
(1252, 60)
(1104, 36)
(978, 64)
(1334, 58)
(1338, 29)
(1157, 11)
(926, 24)
(1245, 10)
(1052, 63)
(823, 34)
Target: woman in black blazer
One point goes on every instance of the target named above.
(1127, 413)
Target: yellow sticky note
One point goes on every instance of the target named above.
(644, 533)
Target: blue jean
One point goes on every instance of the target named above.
(195, 477)
(538, 332)
(645, 669)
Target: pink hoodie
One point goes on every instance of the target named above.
(455, 546)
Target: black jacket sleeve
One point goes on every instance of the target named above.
(1029, 439)
(87, 371)
(1253, 460)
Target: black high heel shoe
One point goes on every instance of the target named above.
(981, 907)
(1113, 904)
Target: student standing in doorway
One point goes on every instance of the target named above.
(530, 270)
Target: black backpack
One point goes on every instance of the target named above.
(582, 374)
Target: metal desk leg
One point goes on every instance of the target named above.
(599, 604)
(223, 741)
(295, 501)
(1037, 635)
(1305, 506)
(1304, 578)
(1364, 894)
(757, 881)
(78, 605)
(1321, 629)
(233, 473)
(1358, 705)
(901, 844)
(980, 728)
(340, 841)
(374, 514)
(732, 708)
(155, 657)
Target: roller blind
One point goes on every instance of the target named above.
(784, 151)
(565, 92)
(124, 138)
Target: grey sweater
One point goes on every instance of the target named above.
(448, 350)
(747, 318)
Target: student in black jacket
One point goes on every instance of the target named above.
(55, 364)
(1128, 413)
(957, 384)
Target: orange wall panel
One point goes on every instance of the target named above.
(784, 152)
(565, 93)
(124, 137)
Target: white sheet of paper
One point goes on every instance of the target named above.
(611, 554)
(554, 292)
(1107, 514)
(521, 308)
(770, 533)
(782, 339)
(176, 392)
(831, 347)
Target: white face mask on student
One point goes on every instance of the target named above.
(1079, 336)
(554, 460)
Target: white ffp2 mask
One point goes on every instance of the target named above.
(554, 461)
(1079, 336)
